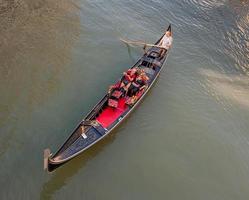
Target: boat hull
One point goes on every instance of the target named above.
(94, 128)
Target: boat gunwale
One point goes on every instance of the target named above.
(108, 131)
(118, 123)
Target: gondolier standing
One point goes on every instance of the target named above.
(165, 43)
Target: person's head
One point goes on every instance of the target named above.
(168, 33)
(139, 71)
(142, 76)
(133, 70)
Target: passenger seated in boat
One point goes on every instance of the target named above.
(115, 93)
(128, 77)
(138, 84)
(165, 43)
(126, 80)
(119, 86)
(120, 89)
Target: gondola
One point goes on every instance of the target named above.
(104, 118)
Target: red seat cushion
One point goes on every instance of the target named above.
(112, 103)
(117, 94)
(110, 114)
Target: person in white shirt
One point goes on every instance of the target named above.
(165, 43)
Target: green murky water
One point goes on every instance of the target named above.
(189, 139)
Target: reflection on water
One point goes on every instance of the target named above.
(36, 38)
(239, 35)
(63, 174)
(232, 87)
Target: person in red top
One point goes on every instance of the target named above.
(138, 84)
(128, 77)
(124, 83)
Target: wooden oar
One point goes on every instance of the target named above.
(140, 43)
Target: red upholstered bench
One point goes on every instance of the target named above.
(113, 103)
(117, 94)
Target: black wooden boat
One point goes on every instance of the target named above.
(102, 119)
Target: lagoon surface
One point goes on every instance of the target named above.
(189, 139)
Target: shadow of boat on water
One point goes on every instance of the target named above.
(63, 174)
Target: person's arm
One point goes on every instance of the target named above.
(129, 77)
(142, 87)
(114, 86)
(171, 41)
(110, 89)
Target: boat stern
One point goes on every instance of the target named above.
(46, 155)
